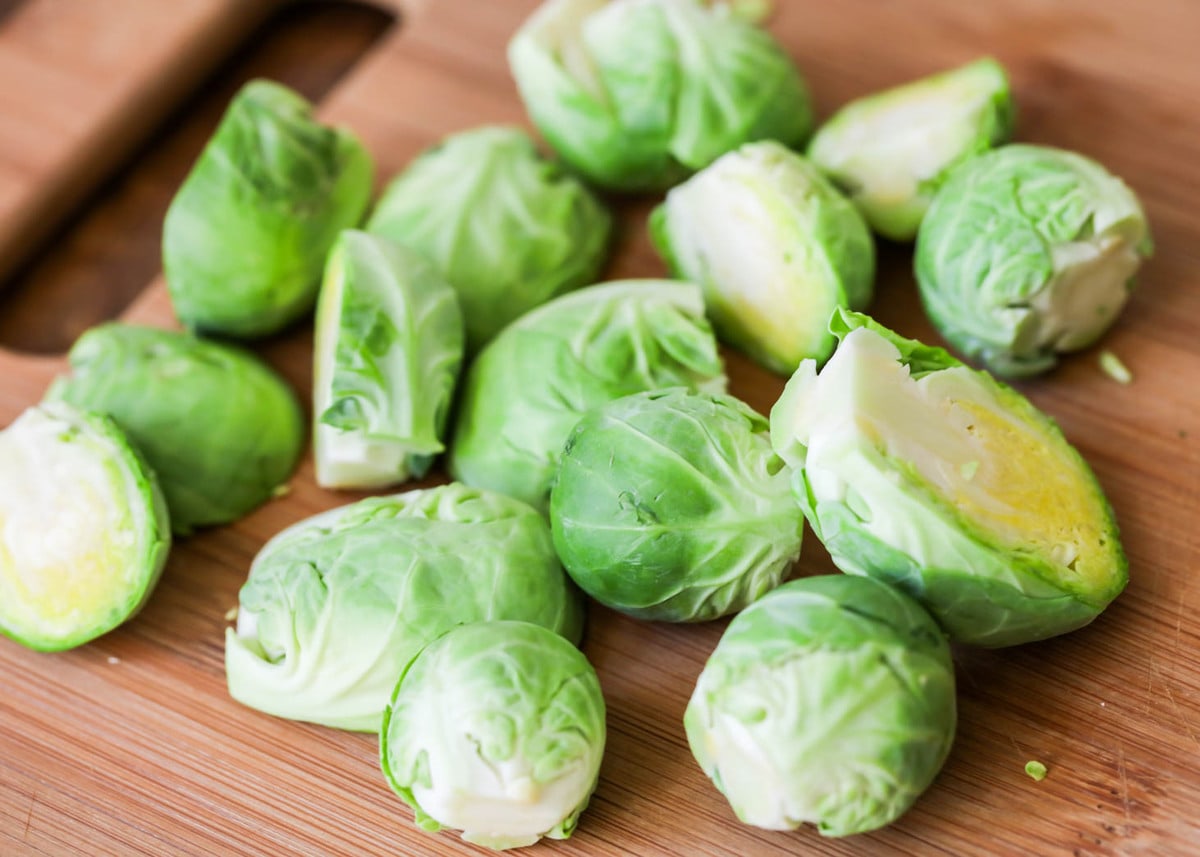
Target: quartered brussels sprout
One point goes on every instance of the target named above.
(891, 151)
(1027, 252)
(638, 94)
(84, 531)
(775, 247)
(387, 350)
(829, 701)
(672, 505)
(507, 228)
(245, 238)
(496, 729)
(336, 605)
(221, 430)
(527, 389)
(932, 476)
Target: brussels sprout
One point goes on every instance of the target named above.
(496, 729)
(245, 238)
(672, 505)
(638, 94)
(527, 389)
(932, 476)
(84, 531)
(829, 700)
(1028, 251)
(892, 150)
(337, 604)
(775, 247)
(506, 227)
(220, 429)
(388, 347)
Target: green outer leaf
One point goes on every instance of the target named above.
(829, 700)
(336, 605)
(389, 345)
(775, 247)
(892, 150)
(637, 95)
(132, 488)
(246, 236)
(506, 227)
(527, 389)
(671, 505)
(985, 253)
(508, 692)
(220, 429)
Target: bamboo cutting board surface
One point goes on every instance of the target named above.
(131, 745)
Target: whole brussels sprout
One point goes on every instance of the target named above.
(246, 236)
(84, 531)
(775, 247)
(386, 355)
(220, 429)
(892, 150)
(1026, 252)
(336, 605)
(506, 227)
(917, 470)
(531, 384)
(829, 700)
(496, 729)
(672, 505)
(638, 94)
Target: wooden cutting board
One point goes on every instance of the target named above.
(130, 745)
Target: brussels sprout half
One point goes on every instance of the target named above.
(84, 531)
(638, 94)
(221, 430)
(891, 151)
(830, 700)
(527, 389)
(507, 228)
(388, 347)
(672, 505)
(496, 729)
(775, 247)
(336, 605)
(246, 236)
(932, 476)
(1026, 252)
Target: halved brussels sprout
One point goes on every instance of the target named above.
(829, 700)
(671, 505)
(527, 389)
(507, 228)
(387, 350)
(496, 729)
(1026, 252)
(246, 236)
(221, 430)
(932, 476)
(84, 531)
(891, 151)
(775, 247)
(638, 94)
(337, 604)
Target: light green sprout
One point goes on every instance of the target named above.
(84, 530)
(917, 470)
(496, 729)
(1027, 252)
(775, 247)
(638, 94)
(386, 354)
(830, 700)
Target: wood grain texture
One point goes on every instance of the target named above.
(130, 745)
